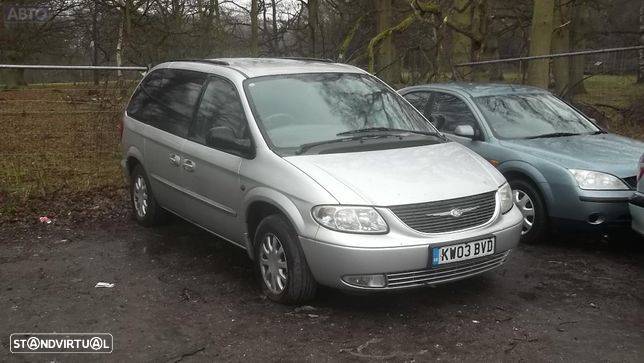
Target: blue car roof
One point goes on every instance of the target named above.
(479, 89)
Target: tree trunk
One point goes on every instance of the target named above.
(119, 47)
(95, 40)
(275, 33)
(387, 52)
(462, 44)
(561, 44)
(254, 28)
(13, 78)
(313, 25)
(578, 33)
(640, 70)
(540, 42)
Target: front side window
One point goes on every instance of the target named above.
(299, 110)
(166, 99)
(220, 107)
(532, 115)
(449, 111)
(419, 100)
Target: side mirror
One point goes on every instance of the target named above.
(464, 131)
(224, 138)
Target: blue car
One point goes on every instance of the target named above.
(563, 169)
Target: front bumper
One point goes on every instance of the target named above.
(590, 210)
(636, 207)
(407, 266)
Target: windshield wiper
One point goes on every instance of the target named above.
(303, 148)
(554, 134)
(384, 129)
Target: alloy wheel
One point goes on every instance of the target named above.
(526, 206)
(140, 196)
(273, 265)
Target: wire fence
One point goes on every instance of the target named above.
(60, 127)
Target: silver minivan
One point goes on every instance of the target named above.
(320, 171)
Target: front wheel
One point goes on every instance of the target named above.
(530, 203)
(282, 269)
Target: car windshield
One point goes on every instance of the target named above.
(300, 110)
(532, 115)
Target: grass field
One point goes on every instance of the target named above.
(60, 141)
(620, 99)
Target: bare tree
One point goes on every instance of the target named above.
(254, 28)
(640, 73)
(540, 42)
(561, 44)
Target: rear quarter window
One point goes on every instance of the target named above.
(166, 99)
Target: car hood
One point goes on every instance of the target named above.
(607, 153)
(401, 176)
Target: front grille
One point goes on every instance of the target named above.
(631, 182)
(447, 273)
(434, 217)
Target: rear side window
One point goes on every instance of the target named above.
(166, 99)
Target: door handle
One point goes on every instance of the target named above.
(189, 165)
(175, 159)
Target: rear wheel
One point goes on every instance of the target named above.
(146, 209)
(282, 269)
(530, 203)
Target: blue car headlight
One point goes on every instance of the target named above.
(595, 180)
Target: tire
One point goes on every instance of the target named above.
(282, 270)
(533, 209)
(147, 214)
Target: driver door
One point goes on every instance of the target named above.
(211, 174)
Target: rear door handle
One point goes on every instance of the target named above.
(175, 159)
(189, 165)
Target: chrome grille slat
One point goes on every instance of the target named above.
(437, 275)
(417, 217)
(453, 220)
(414, 218)
(466, 263)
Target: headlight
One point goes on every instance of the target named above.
(505, 196)
(350, 219)
(594, 180)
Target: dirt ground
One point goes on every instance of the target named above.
(181, 294)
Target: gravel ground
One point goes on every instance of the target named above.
(181, 294)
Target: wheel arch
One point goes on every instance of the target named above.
(133, 158)
(262, 202)
(527, 172)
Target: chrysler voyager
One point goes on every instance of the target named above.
(321, 172)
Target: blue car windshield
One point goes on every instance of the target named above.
(306, 109)
(519, 116)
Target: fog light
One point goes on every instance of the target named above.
(596, 219)
(366, 280)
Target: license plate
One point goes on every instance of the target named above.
(463, 251)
